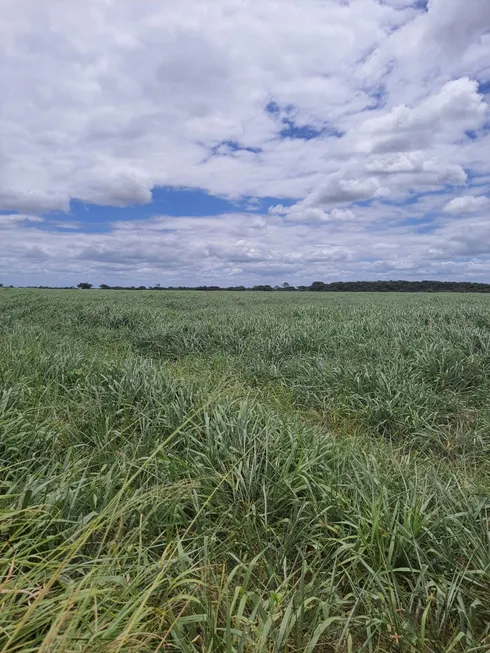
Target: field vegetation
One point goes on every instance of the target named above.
(244, 472)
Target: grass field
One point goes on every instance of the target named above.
(238, 472)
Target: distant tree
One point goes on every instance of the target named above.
(426, 286)
(263, 287)
(317, 285)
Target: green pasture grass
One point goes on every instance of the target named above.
(244, 472)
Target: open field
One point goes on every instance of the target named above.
(238, 472)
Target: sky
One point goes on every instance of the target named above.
(238, 142)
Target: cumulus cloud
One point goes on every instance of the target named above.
(302, 213)
(467, 204)
(427, 170)
(112, 185)
(338, 189)
(442, 117)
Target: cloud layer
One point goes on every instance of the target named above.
(364, 124)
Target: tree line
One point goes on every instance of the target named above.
(317, 286)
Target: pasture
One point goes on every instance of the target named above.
(244, 472)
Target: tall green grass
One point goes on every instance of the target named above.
(244, 472)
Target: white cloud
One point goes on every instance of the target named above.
(17, 218)
(112, 185)
(107, 99)
(128, 96)
(467, 204)
(429, 171)
(213, 249)
(303, 213)
(443, 43)
(442, 117)
(337, 189)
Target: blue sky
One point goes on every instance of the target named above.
(244, 142)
